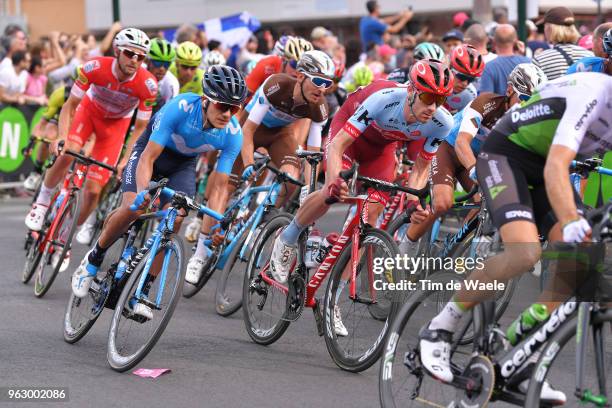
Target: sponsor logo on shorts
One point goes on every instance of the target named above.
(518, 214)
(531, 112)
(589, 109)
(495, 171)
(494, 191)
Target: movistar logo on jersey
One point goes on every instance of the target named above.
(494, 191)
(531, 112)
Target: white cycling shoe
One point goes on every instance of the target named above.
(195, 267)
(435, 347)
(32, 181)
(548, 393)
(82, 277)
(85, 234)
(65, 262)
(36, 217)
(281, 262)
(192, 232)
(339, 328)
(143, 310)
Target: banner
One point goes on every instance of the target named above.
(16, 123)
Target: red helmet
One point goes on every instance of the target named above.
(432, 76)
(339, 73)
(467, 60)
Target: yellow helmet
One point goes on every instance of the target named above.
(295, 47)
(188, 53)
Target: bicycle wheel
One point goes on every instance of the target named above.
(60, 242)
(82, 313)
(263, 306)
(398, 226)
(401, 372)
(362, 346)
(557, 363)
(131, 337)
(189, 289)
(229, 285)
(33, 255)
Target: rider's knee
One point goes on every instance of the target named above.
(442, 204)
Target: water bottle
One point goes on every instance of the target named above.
(57, 204)
(349, 218)
(313, 244)
(523, 324)
(328, 242)
(127, 253)
(303, 194)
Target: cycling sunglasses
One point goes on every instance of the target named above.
(430, 98)
(320, 82)
(224, 107)
(131, 54)
(187, 67)
(293, 64)
(523, 97)
(463, 77)
(160, 64)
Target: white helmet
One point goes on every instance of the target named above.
(213, 58)
(317, 63)
(526, 77)
(133, 37)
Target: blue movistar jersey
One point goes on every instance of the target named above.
(178, 127)
(587, 64)
(458, 101)
(380, 119)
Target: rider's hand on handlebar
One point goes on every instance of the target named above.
(248, 172)
(420, 214)
(577, 231)
(141, 201)
(336, 191)
(54, 147)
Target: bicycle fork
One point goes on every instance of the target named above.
(584, 319)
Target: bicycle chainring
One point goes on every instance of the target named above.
(480, 377)
(295, 298)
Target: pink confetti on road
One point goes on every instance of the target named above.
(151, 372)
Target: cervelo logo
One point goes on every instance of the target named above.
(589, 109)
(531, 113)
(522, 354)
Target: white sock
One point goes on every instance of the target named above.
(44, 197)
(448, 318)
(91, 220)
(202, 251)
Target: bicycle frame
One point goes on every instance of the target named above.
(396, 207)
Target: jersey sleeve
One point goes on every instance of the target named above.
(436, 131)
(259, 105)
(314, 134)
(471, 121)
(231, 150)
(255, 79)
(85, 75)
(148, 98)
(363, 116)
(167, 119)
(578, 116)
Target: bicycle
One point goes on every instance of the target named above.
(358, 238)
(51, 244)
(484, 374)
(229, 286)
(129, 280)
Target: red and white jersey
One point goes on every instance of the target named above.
(97, 84)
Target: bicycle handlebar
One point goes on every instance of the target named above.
(88, 161)
(591, 165)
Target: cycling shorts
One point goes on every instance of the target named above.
(110, 134)
(180, 170)
(512, 180)
(446, 168)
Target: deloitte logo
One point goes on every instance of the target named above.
(531, 113)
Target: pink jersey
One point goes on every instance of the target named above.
(98, 86)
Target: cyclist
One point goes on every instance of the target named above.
(360, 76)
(284, 61)
(596, 64)
(456, 157)
(428, 50)
(523, 170)
(186, 67)
(367, 129)
(467, 65)
(102, 100)
(161, 56)
(399, 75)
(213, 58)
(268, 122)
(184, 128)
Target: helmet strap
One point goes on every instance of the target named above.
(302, 91)
(205, 124)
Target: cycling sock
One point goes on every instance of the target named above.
(44, 197)
(341, 286)
(291, 234)
(91, 220)
(96, 256)
(448, 318)
(202, 251)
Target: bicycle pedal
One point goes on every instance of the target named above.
(318, 315)
(295, 297)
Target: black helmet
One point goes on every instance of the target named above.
(224, 84)
(400, 75)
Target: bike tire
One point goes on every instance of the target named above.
(396, 223)
(33, 257)
(359, 362)
(224, 304)
(74, 202)
(268, 336)
(115, 360)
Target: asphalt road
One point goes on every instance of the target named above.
(213, 361)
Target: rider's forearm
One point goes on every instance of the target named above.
(131, 141)
(464, 150)
(65, 118)
(419, 175)
(217, 201)
(334, 163)
(144, 171)
(247, 148)
(559, 191)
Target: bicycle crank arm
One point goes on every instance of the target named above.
(365, 301)
(147, 302)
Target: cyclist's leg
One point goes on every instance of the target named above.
(281, 145)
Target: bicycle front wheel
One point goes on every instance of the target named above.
(360, 346)
(131, 337)
(57, 246)
(228, 295)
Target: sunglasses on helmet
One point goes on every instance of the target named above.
(320, 82)
(131, 54)
(462, 77)
(224, 107)
(429, 98)
(160, 64)
(523, 97)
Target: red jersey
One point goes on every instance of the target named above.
(265, 68)
(101, 91)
